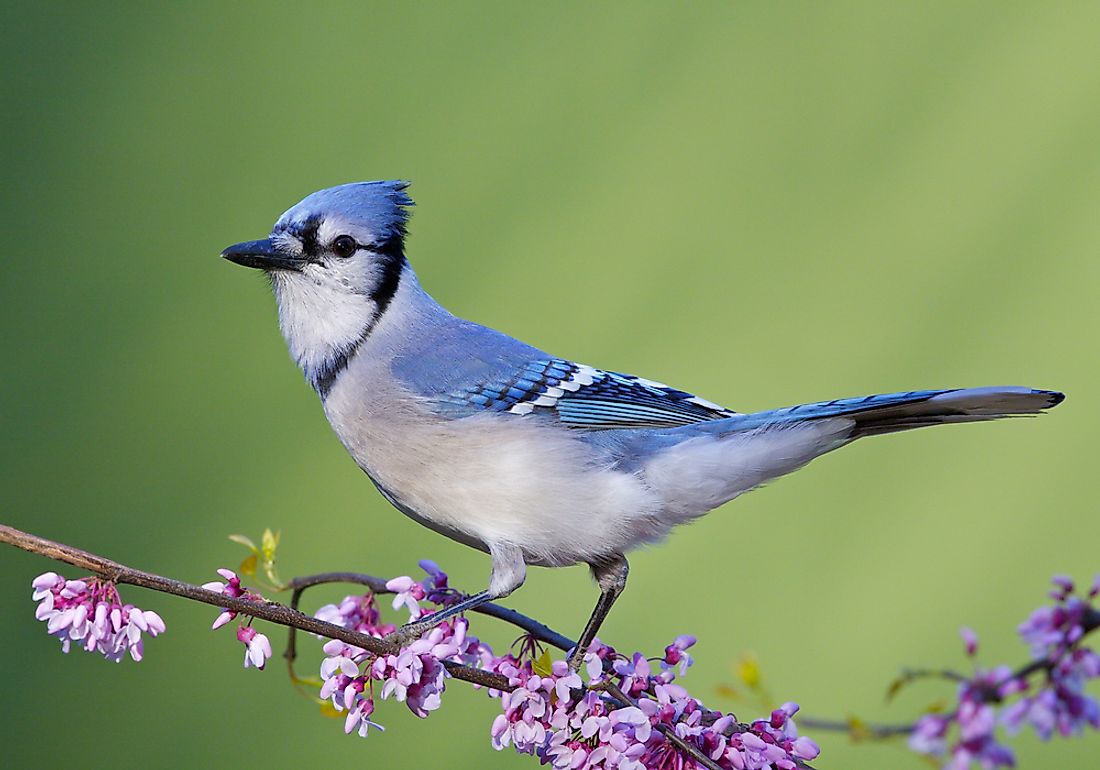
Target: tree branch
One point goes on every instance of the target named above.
(615, 692)
(295, 620)
(860, 729)
(272, 612)
(538, 630)
(377, 585)
(1090, 622)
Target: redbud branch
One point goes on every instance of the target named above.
(670, 734)
(910, 674)
(377, 585)
(1090, 621)
(294, 620)
(272, 612)
(878, 732)
(538, 630)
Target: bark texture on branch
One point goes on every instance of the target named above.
(272, 612)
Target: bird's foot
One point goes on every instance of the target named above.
(407, 634)
(578, 660)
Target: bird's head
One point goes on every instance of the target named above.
(335, 261)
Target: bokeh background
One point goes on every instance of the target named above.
(762, 203)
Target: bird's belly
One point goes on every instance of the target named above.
(460, 536)
(493, 478)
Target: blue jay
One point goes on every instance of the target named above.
(534, 459)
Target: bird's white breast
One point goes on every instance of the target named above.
(318, 316)
(497, 478)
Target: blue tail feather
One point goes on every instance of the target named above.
(889, 412)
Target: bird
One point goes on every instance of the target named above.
(533, 459)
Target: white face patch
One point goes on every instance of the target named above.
(286, 242)
(327, 306)
(320, 315)
(333, 227)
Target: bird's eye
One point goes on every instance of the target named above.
(344, 246)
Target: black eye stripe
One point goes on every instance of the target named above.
(306, 232)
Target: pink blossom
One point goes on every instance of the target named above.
(358, 717)
(930, 735)
(1056, 704)
(231, 587)
(357, 613)
(970, 640)
(415, 676)
(257, 647)
(569, 727)
(549, 713)
(407, 592)
(91, 613)
(676, 654)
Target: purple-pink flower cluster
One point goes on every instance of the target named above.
(566, 720)
(619, 712)
(416, 675)
(569, 725)
(1056, 702)
(257, 647)
(90, 612)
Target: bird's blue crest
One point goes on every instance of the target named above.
(381, 206)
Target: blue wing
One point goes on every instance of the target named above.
(583, 397)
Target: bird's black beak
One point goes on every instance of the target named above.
(262, 255)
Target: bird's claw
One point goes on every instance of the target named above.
(404, 636)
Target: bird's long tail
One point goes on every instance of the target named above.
(696, 475)
(891, 412)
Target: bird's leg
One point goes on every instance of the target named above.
(509, 572)
(410, 632)
(611, 577)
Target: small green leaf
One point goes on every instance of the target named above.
(727, 691)
(936, 707)
(269, 543)
(748, 671)
(857, 728)
(248, 566)
(543, 665)
(245, 541)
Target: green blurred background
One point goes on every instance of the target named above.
(762, 203)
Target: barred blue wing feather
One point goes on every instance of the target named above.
(587, 398)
